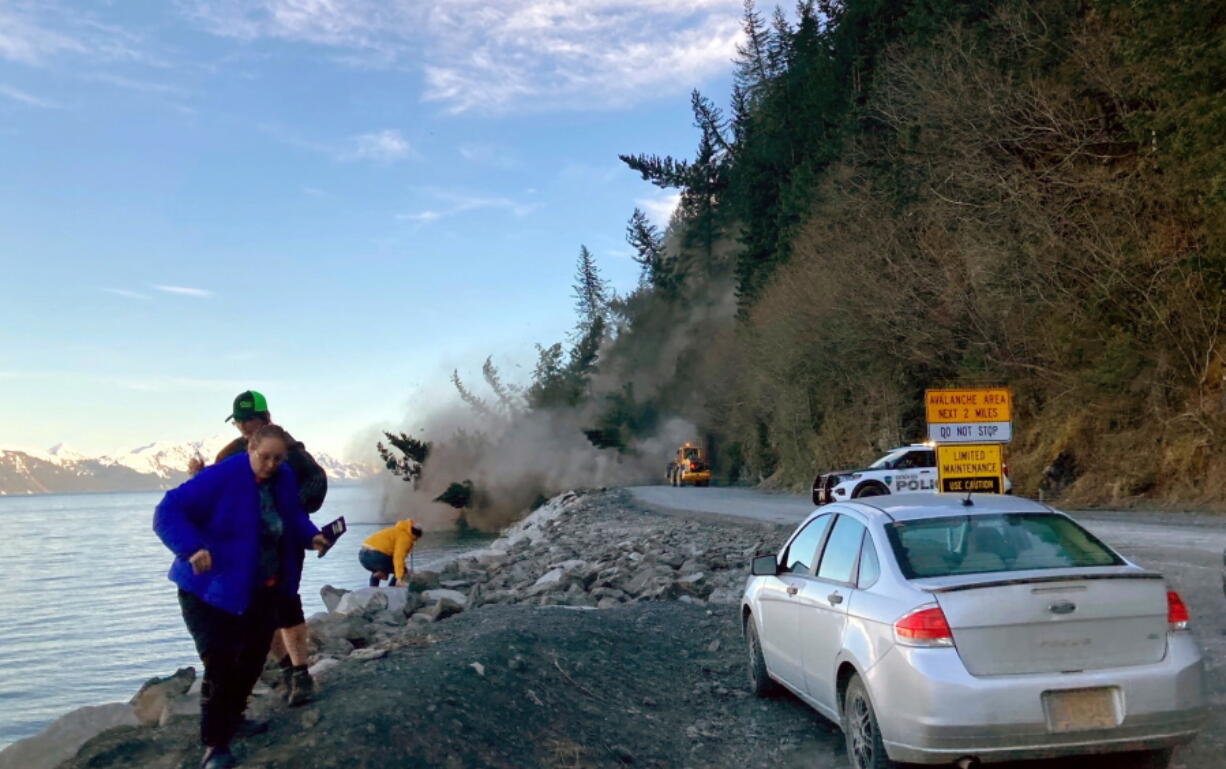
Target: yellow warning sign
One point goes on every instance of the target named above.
(987, 404)
(977, 467)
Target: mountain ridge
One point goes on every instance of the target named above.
(153, 466)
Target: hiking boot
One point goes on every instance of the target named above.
(218, 758)
(302, 688)
(285, 683)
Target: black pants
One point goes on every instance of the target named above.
(233, 648)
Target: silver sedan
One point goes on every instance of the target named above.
(939, 629)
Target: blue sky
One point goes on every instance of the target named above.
(335, 202)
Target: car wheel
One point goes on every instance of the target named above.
(871, 489)
(760, 683)
(1147, 759)
(817, 490)
(865, 750)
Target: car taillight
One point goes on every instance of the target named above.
(924, 627)
(1004, 468)
(1176, 611)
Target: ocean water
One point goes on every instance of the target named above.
(87, 614)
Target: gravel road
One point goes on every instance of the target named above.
(1186, 547)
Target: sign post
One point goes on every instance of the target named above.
(969, 427)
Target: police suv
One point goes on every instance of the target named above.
(906, 468)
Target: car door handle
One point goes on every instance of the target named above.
(793, 590)
(835, 599)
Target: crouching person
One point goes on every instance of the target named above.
(237, 530)
(383, 553)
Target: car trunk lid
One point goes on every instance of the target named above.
(1017, 623)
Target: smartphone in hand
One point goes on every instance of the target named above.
(333, 531)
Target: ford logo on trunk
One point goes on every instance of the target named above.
(1062, 607)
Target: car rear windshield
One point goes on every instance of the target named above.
(886, 462)
(976, 544)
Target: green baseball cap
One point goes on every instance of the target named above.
(248, 405)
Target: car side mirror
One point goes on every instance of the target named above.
(764, 566)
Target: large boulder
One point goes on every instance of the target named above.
(157, 694)
(187, 705)
(491, 557)
(64, 737)
(331, 596)
(554, 580)
(423, 580)
(432, 596)
(697, 585)
(372, 600)
(338, 634)
(443, 608)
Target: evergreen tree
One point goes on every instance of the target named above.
(648, 245)
(508, 395)
(753, 68)
(475, 402)
(591, 292)
(413, 454)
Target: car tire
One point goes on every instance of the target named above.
(870, 489)
(1147, 759)
(865, 748)
(760, 682)
(817, 490)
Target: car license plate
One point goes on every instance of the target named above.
(1075, 710)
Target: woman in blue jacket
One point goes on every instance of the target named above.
(235, 530)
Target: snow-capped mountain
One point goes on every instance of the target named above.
(157, 465)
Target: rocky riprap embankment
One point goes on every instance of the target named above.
(525, 670)
(591, 550)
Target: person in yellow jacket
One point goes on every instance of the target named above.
(383, 553)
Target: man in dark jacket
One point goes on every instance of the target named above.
(238, 532)
(289, 645)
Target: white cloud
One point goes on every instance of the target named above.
(385, 146)
(24, 38)
(35, 32)
(184, 291)
(459, 204)
(659, 209)
(27, 99)
(381, 146)
(422, 217)
(126, 292)
(497, 55)
(489, 155)
(134, 84)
